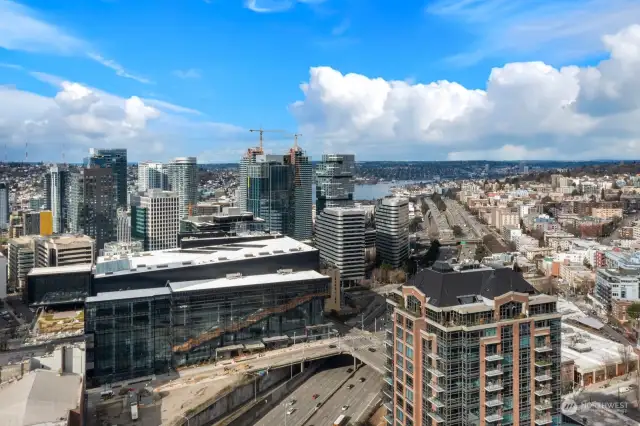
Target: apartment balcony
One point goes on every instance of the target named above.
(436, 372)
(388, 342)
(543, 391)
(493, 387)
(543, 363)
(544, 420)
(389, 419)
(493, 418)
(544, 405)
(436, 387)
(435, 401)
(543, 376)
(543, 349)
(389, 379)
(494, 357)
(434, 355)
(388, 404)
(493, 372)
(496, 402)
(387, 389)
(435, 416)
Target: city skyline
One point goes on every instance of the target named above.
(509, 84)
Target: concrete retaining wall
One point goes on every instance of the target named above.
(239, 396)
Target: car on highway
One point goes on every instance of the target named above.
(345, 407)
(372, 349)
(332, 346)
(318, 405)
(362, 379)
(349, 370)
(351, 386)
(292, 401)
(291, 411)
(315, 396)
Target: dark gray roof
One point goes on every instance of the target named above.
(446, 287)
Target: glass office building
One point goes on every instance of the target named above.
(142, 332)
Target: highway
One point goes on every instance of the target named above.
(331, 385)
(359, 399)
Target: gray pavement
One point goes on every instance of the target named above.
(359, 399)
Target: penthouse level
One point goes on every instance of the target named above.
(251, 255)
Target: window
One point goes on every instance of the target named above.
(399, 333)
(409, 366)
(409, 381)
(409, 339)
(409, 325)
(524, 342)
(409, 409)
(413, 304)
(399, 359)
(409, 395)
(490, 332)
(399, 373)
(399, 414)
(409, 352)
(399, 346)
(399, 319)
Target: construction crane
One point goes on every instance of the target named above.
(295, 140)
(261, 131)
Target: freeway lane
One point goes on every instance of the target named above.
(322, 383)
(362, 396)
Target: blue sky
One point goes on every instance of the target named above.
(383, 79)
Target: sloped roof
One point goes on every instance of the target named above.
(444, 285)
(40, 397)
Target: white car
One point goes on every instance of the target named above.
(345, 407)
(291, 411)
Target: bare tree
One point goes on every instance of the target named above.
(625, 356)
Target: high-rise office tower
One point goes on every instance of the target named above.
(279, 191)
(392, 230)
(340, 239)
(155, 219)
(183, 180)
(4, 205)
(152, 176)
(57, 196)
(472, 345)
(31, 223)
(334, 181)
(123, 226)
(116, 159)
(46, 186)
(93, 205)
(247, 159)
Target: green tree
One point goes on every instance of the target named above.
(457, 231)
(633, 311)
(481, 252)
(546, 199)
(575, 192)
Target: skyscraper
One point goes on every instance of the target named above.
(392, 230)
(93, 205)
(334, 181)
(116, 159)
(472, 345)
(279, 191)
(155, 219)
(4, 205)
(183, 180)
(247, 159)
(340, 239)
(57, 196)
(152, 176)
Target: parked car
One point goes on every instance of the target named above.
(351, 386)
(315, 396)
(291, 411)
(345, 407)
(362, 379)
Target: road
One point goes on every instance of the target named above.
(359, 399)
(616, 393)
(627, 220)
(323, 383)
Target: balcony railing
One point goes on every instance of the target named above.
(493, 372)
(543, 349)
(388, 404)
(494, 417)
(389, 418)
(434, 355)
(544, 420)
(436, 372)
(544, 405)
(544, 376)
(494, 357)
(543, 391)
(436, 387)
(496, 402)
(388, 379)
(493, 387)
(543, 363)
(435, 401)
(435, 416)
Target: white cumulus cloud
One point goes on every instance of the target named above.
(527, 110)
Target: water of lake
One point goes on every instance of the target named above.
(371, 192)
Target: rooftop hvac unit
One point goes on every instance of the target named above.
(285, 271)
(234, 276)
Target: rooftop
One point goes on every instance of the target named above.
(240, 281)
(181, 258)
(40, 397)
(54, 270)
(446, 286)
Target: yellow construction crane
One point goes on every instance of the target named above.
(261, 131)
